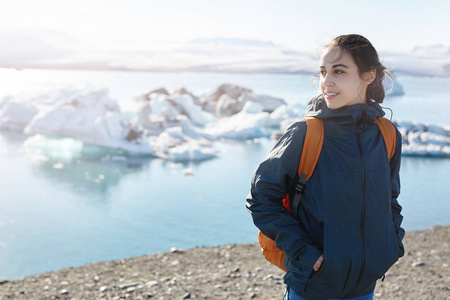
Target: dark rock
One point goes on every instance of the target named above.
(129, 285)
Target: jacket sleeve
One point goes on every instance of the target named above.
(270, 184)
(395, 206)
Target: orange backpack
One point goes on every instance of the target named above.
(310, 154)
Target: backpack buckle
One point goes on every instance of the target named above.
(301, 183)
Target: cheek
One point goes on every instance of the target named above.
(321, 82)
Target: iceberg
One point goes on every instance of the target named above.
(175, 126)
(229, 99)
(93, 118)
(240, 113)
(173, 144)
(250, 123)
(186, 103)
(424, 139)
(15, 115)
(163, 111)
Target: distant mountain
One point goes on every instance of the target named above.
(233, 42)
(233, 55)
(440, 50)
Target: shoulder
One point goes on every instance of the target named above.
(295, 132)
(297, 127)
(291, 141)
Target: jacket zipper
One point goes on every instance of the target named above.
(363, 212)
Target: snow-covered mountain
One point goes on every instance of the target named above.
(217, 54)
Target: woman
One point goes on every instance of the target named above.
(347, 234)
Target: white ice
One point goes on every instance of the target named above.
(178, 126)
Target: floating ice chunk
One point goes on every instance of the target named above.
(57, 148)
(435, 139)
(285, 115)
(436, 129)
(228, 105)
(190, 130)
(194, 112)
(162, 113)
(241, 126)
(209, 100)
(174, 145)
(191, 151)
(268, 103)
(16, 115)
(252, 108)
(424, 139)
(93, 118)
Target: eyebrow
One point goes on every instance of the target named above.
(336, 66)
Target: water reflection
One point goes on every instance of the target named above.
(88, 176)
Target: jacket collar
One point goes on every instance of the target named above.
(355, 114)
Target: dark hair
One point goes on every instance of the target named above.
(366, 58)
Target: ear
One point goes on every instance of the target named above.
(370, 76)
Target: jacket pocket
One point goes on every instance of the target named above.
(384, 255)
(335, 272)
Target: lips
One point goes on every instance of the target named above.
(330, 95)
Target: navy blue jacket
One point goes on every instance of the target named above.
(349, 210)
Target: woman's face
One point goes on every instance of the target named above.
(340, 82)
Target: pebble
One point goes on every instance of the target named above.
(152, 283)
(258, 279)
(175, 250)
(175, 263)
(3, 280)
(64, 292)
(418, 264)
(130, 285)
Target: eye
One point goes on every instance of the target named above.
(337, 71)
(322, 72)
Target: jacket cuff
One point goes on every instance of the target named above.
(309, 256)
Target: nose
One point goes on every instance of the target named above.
(328, 81)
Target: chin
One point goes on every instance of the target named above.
(332, 105)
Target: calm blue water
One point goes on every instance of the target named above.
(91, 210)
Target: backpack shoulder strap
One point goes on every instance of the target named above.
(311, 147)
(310, 155)
(389, 135)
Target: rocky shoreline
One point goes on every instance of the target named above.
(229, 272)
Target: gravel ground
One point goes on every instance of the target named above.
(229, 272)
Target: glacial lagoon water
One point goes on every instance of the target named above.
(65, 210)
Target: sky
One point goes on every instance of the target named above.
(300, 25)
